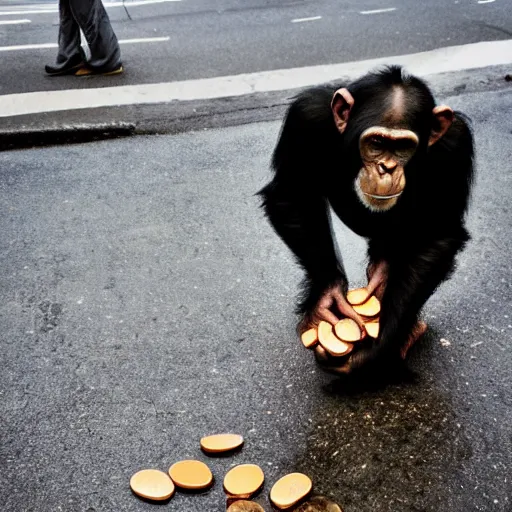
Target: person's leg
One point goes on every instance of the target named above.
(100, 37)
(70, 55)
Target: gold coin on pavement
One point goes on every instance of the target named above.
(245, 506)
(152, 484)
(244, 480)
(191, 474)
(319, 504)
(290, 489)
(220, 443)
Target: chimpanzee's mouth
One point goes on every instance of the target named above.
(374, 196)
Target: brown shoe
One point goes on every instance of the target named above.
(87, 71)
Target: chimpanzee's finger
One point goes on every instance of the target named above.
(374, 283)
(327, 315)
(347, 310)
(327, 362)
(321, 355)
(359, 359)
(377, 278)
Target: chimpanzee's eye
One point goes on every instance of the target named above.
(375, 144)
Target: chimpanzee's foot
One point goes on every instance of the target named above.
(417, 332)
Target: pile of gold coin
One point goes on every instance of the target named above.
(338, 340)
(241, 482)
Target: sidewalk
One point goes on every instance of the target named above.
(145, 302)
(86, 114)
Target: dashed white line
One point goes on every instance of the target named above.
(486, 1)
(20, 13)
(42, 46)
(379, 11)
(301, 20)
(145, 40)
(14, 22)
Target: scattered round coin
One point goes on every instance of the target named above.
(245, 506)
(244, 480)
(220, 443)
(357, 296)
(372, 328)
(152, 484)
(319, 504)
(191, 474)
(370, 308)
(330, 342)
(348, 330)
(309, 338)
(290, 489)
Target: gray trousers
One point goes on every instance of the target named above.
(91, 17)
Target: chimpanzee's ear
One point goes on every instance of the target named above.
(443, 118)
(341, 105)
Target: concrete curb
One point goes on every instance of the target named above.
(62, 134)
(78, 126)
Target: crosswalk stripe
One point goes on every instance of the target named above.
(43, 46)
(13, 22)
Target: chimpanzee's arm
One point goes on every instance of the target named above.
(412, 279)
(416, 269)
(294, 200)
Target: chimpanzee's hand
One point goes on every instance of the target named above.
(331, 306)
(370, 351)
(345, 365)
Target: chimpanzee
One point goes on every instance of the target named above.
(397, 170)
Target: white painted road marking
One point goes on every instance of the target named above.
(28, 47)
(44, 9)
(42, 46)
(379, 11)
(300, 20)
(454, 58)
(145, 40)
(486, 1)
(13, 22)
(19, 13)
(28, 11)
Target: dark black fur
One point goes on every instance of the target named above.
(419, 237)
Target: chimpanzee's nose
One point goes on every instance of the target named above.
(387, 167)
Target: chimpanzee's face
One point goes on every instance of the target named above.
(384, 152)
(386, 147)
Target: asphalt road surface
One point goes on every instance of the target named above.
(145, 302)
(190, 39)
